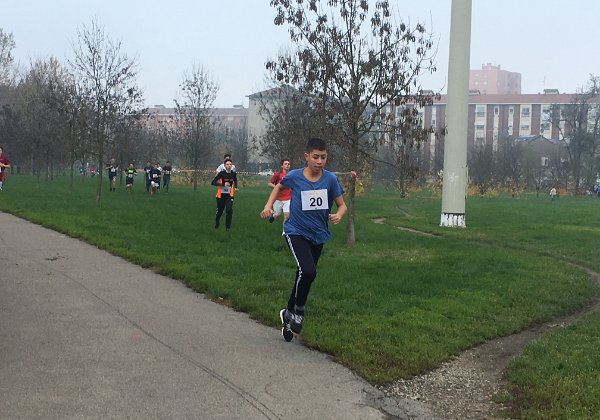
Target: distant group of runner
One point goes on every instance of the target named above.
(153, 175)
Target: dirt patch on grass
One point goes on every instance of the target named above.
(464, 387)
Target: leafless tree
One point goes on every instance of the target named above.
(41, 118)
(509, 163)
(292, 117)
(579, 126)
(193, 115)
(107, 80)
(7, 44)
(481, 167)
(356, 60)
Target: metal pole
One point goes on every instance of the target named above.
(455, 148)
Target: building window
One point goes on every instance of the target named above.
(480, 111)
(511, 109)
(496, 110)
(545, 161)
(524, 127)
(479, 126)
(525, 111)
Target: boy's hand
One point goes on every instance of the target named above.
(334, 218)
(267, 212)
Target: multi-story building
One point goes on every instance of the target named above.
(492, 80)
(227, 119)
(494, 117)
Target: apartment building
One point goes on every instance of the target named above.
(493, 117)
(227, 119)
(492, 80)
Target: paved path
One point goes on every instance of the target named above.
(87, 335)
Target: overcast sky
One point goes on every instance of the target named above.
(552, 43)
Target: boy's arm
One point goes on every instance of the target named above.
(341, 210)
(268, 210)
(215, 181)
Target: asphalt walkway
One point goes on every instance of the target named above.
(87, 335)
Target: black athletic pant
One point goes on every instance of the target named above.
(166, 182)
(306, 255)
(224, 203)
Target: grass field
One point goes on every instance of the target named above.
(397, 304)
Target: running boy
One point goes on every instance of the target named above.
(314, 190)
(226, 180)
(154, 179)
(147, 170)
(130, 173)
(282, 204)
(113, 170)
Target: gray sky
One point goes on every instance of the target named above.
(551, 43)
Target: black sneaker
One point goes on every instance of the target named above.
(271, 219)
(286, 331)
(296, 319)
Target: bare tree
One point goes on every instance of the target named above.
(579, 126)
(41, 117)
(292, 117)
(193, 115)
(7, 44)
(481, 167)
(237, 139)
(509, 163)
(107, 80)
(357, 61)
(406, 134)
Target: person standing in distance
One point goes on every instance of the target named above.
(4, 164)
(282, 204)
(226, 180)
(314, 190)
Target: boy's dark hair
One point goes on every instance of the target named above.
(227, 160)
(226, 156)
(284, 160)
(315, 144)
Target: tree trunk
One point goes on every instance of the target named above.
(350, 238)
(99, 171)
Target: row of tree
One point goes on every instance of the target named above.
(58, 117)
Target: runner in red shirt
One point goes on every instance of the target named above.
(282, 204)
(4, 163)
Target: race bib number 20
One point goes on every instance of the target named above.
(315, 200)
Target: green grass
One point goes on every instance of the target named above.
(558, 376)
(395, 305)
